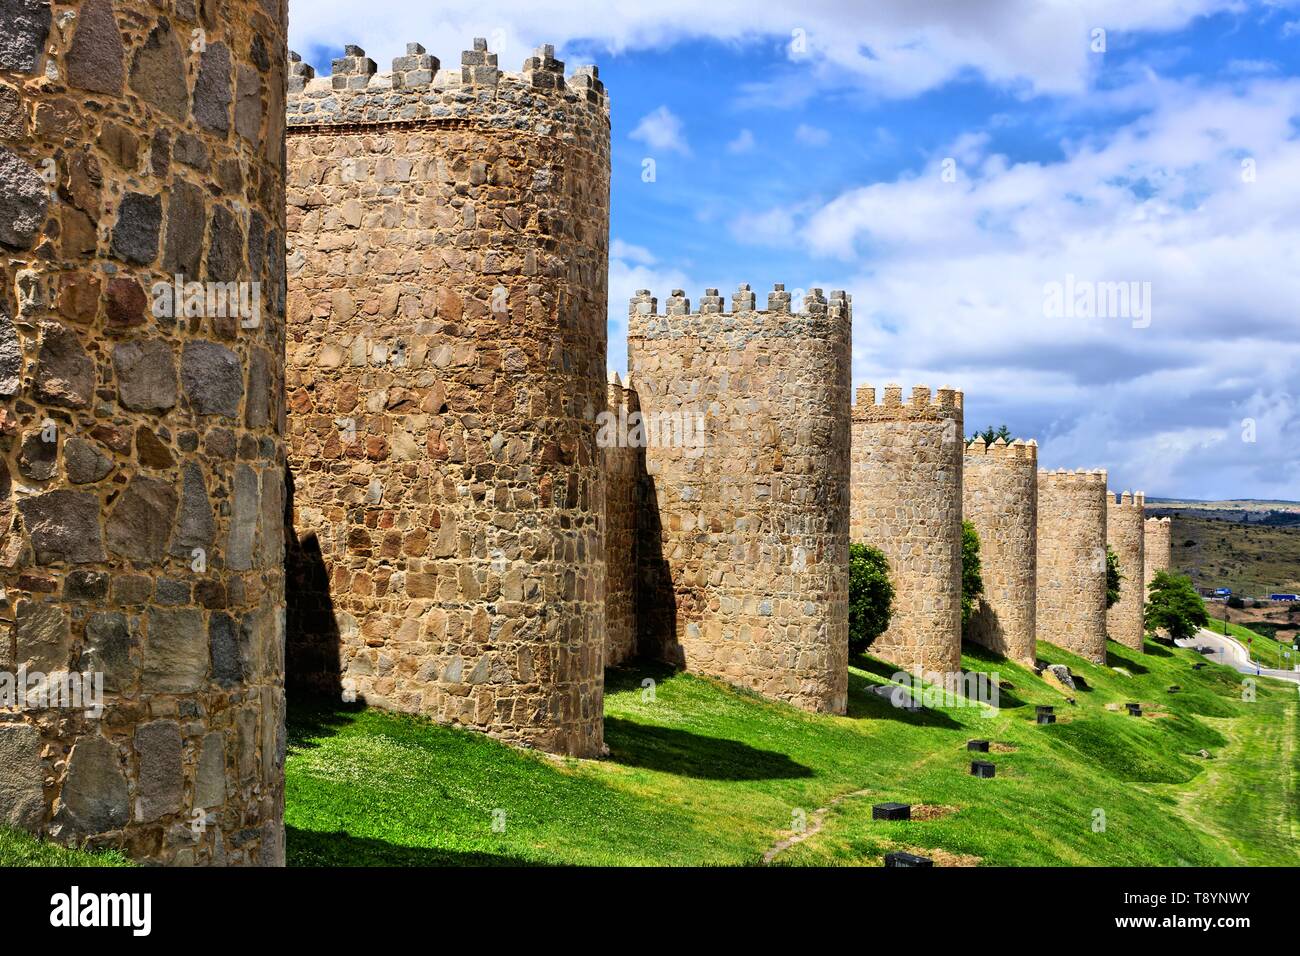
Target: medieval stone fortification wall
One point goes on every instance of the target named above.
(1155, 549)
(1071, 609)
(907, 501)
(1000, 497)
(743, 552)
(141, 459)
(1125, 534)
(624, 473)
(448, 251)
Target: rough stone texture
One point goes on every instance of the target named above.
(1125, 535)
(744, 540)
(24, 199)
(448, 495)
(624, 470)
(97, 559)
(1071, 609)
(1156, 550)
(22, 797)
(26, 26)
(1000, 497)
(907, 501)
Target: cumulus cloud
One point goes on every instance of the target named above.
(893, 47)
(661, 129)
(743, 143)
(1194, 200)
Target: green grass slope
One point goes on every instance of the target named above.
(21, 849)
(700, 773)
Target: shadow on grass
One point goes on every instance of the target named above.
(311, 848)
(685, 754)
(864, 702)
(309, 717)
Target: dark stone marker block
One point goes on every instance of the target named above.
(1046, 718)
(891, 811)
(982, 768)
(981, 745)
(906, 859)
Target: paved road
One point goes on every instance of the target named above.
(1225, 650)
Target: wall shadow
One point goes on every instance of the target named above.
(656, 599)
(312, 663)
(686, 754)
(311, 848)
(864, 702)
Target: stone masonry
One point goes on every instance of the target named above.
(907, 501)
(448, 235)
(1156, 550)
(1000, 497)
(141, 457)
(624, 471)
(743, 551)
(1071, 609)
(1125, 534)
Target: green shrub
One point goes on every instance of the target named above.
(871, 596)
(1113, 578)
(972, 583)
(1174, 606)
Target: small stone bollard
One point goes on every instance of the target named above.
(981, 745)
(1046, 719)
(1041, 709)
(1198, 665)
(891, 811)
(982, 769)
(899, 858)
(1134, 710)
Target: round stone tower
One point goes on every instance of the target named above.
(1155, 550)
(1125, 517)
(1072, 561)
(448, 233)
(141, 483)
(907, 501)
(744, 543)
(1000, 497)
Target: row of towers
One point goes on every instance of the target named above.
(401, 476)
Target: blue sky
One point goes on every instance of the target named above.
(948, 163)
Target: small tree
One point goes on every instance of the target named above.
(1174, 606)
(1113, 577)
(871, 596)
(991, 434)
(972, 583)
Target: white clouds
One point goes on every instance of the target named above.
(662, 130)
(743, 143)
(632, 267)
(894, 47)
(811, 135)
(955, 288)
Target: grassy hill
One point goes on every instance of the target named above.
(705, 774)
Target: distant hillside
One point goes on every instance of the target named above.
(1282, 514)
(1254, 558)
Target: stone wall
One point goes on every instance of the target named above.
(907, 501)
(1071, 609)
(448, 255)
(141, 458)
(1124, 534)
(624, 469)
(1155, 550)
(743, 554)
(1000, 497)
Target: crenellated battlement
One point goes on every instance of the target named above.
(1089, 477)
(1128, 500)
(923, 405)
(622, 394)
(419, 88)
(1019, 449)
(814, 314)
(1158, 521)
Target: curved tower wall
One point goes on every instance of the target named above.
(907, 501)
(1156, 549)
(1000, 497)
(446, 362)
(1071, 609)
(743, 553)
(1125, 533)
(141, 477)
